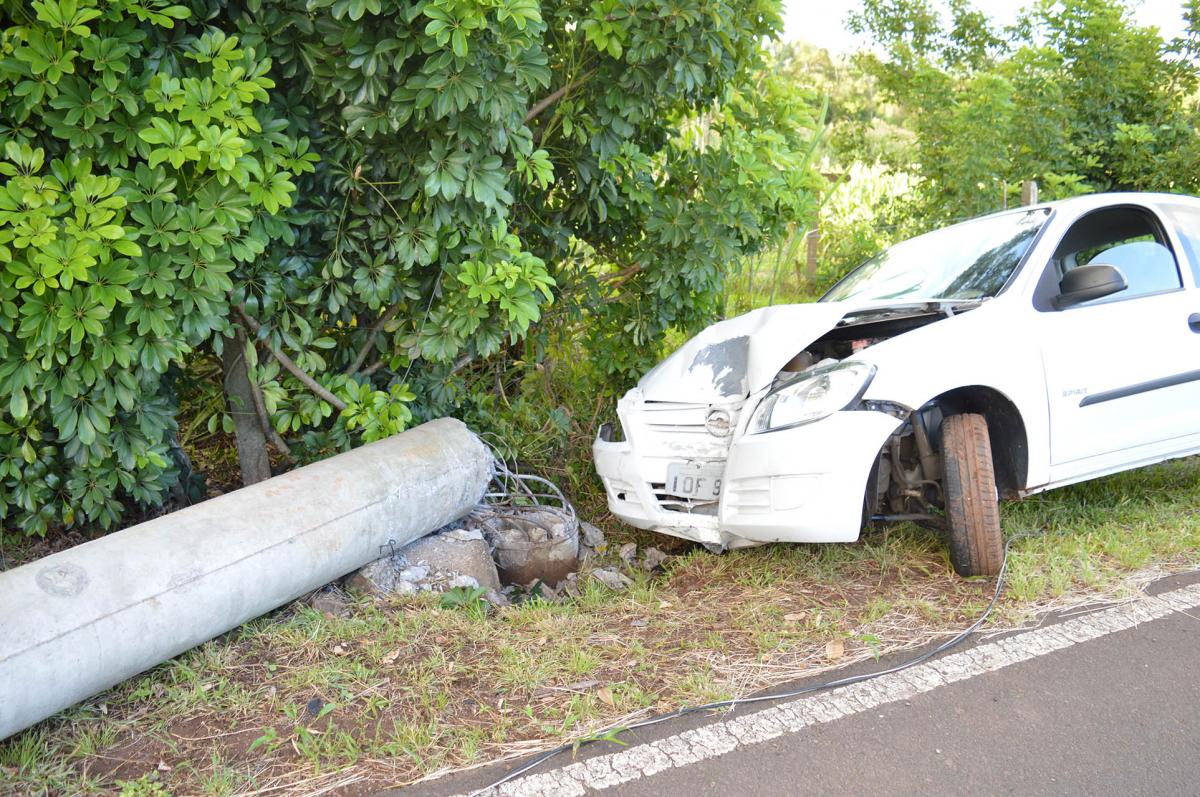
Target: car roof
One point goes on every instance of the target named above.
(1087, 202)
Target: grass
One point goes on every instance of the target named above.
(403, 690)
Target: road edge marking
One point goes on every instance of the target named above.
(710, 741)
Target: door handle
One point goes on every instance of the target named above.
(1194, 322)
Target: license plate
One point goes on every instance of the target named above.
(687, 480)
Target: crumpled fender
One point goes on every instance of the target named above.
(732, 359)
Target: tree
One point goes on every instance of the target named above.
(142, 166)
(353, 203)
(612, 156)
(1077, 95)
(864, 126)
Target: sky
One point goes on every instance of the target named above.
(823, 22)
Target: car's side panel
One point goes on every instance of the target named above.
(1184, 446)
(1116, 371)
(1116, 380)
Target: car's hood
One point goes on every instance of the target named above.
(734, 358)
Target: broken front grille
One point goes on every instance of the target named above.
(675, 503)
(683, 427)
(678, 432)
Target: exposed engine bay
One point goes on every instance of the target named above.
(906, 481)
(863, 329)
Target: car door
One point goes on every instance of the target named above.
(1122, 379)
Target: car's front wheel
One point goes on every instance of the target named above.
(972, 504)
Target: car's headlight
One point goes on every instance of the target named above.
(812, 395)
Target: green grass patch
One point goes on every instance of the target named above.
(297, 701)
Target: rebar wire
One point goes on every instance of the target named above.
(510, 490)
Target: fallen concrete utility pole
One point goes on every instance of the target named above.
(75, 623)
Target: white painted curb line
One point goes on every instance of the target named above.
(692, 746)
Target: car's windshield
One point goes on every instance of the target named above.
(972, 260)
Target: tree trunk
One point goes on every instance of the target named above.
(251, 442)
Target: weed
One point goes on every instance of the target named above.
(145, 786)
(873, 643)
(269, 741)
(471, 599)
(610, 735)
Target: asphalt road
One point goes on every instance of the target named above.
(1117, 714)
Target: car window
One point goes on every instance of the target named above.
(971, 260)
(1130, 239)
(1187, 223)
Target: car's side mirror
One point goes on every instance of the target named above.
(1093, 281)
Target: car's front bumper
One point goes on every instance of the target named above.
(805, 484)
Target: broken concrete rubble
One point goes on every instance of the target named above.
(453, 557)
(513, 539)
(612, 578)
(591, 539)
(653, 559)
(457, 550)
(330, 601)
(534, 552)
(531, 544)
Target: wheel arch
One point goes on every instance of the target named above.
(1006, 429)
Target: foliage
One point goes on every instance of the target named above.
(482, 159)
(145, 786)
(864, 214)
(385, 197)
(864, 124)
(1077, 95)
(770, 276)
(142, 166)
(864, 210)
(469, 599)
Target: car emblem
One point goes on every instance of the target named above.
(718, 423)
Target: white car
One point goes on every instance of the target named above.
(999, 357)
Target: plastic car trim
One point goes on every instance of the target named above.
(1140, 387)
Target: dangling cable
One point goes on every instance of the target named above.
(804, 690)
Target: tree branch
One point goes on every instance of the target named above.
(546, 102)
(290, 365)
(361, 357)
(619, 277)
(264, 420)
(253, 460)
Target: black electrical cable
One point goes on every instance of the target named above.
(804, 690)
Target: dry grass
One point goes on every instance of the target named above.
(299, 703)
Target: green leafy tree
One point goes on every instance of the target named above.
(1077, 95)
(482, 159)
(355, 205)
(864, 125)
(142, 165)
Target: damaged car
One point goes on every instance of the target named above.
(993, 359)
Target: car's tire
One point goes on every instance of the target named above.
(972, 505)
